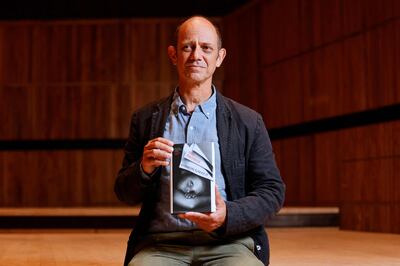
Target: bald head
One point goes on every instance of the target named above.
(197, 21)
(197, 52)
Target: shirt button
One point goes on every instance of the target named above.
(191, 128)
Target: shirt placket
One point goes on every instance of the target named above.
(191, 136)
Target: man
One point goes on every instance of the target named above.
(249, 187)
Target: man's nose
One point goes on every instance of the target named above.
(196, 54)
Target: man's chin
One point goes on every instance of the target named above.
(196, 77)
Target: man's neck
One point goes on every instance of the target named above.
(194, 94)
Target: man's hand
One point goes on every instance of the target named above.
(157, 152)
(209, 221)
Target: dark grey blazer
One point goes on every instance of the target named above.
(254, 187)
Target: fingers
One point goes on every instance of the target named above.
(160, 144)
(205, 221)
(209, 221)
(157, 152)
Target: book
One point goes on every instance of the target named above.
(192, 182)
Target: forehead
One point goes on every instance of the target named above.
(198, 30)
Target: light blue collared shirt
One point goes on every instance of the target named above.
(200, 126)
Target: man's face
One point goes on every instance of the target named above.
(196, 55)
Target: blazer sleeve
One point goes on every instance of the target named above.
(265, 189)
(131, 182)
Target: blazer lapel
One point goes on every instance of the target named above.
(224, 129)
(159, 118)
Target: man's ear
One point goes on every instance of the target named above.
(172, 54)
(221, 56)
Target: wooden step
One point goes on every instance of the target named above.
(125, 217)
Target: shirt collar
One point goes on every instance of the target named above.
(206, 108)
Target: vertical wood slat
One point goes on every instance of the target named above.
(327, 157)
(61, 52)
(353, 94)
(241, 68)
(369, 180)
(232, 63)
(295, 160)
(373, 218)
(381, 68)
(328, 81)
(378, 11)
(58, 178)
(295, 26)
(279, 30)
(281, 105)
(15, 53)
(66, 80)
(354, 65)
(353, 16)
(326, 20)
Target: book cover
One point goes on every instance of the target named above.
(192, 183)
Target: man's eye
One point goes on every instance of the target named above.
(186, 48)
(207, 48)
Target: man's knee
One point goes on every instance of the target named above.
(158, 257)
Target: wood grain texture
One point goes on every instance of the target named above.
(58, 178)
(279, 30)
(327, 156)
(241, 73)
(81, 79)
(296, 162)
(282, 105)
(344, 51)
(289, 246)
(369, 179)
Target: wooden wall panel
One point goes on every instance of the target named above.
(381, 66)
(369, 178)
(15, 116)
(279, 30)
(353, 93)
(240, 33)
(346, 51)
(328, 154)
(397, 59)
(67, 112)
(74, 52)
(75, 79)
(367, 181)
(283, 100)
(323, 18)
(15, 53)
(353, 16)
(373, 218)
(328, 81)
(58, 178)
(372, 141)
(232, 62)
(379, 11)
(141, 41)
(295, 160)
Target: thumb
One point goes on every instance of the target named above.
(218, 198)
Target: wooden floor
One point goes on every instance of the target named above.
(289, 246)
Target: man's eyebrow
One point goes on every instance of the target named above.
(206, 43)
(191, 42)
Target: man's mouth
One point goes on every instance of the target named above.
(194, 66)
